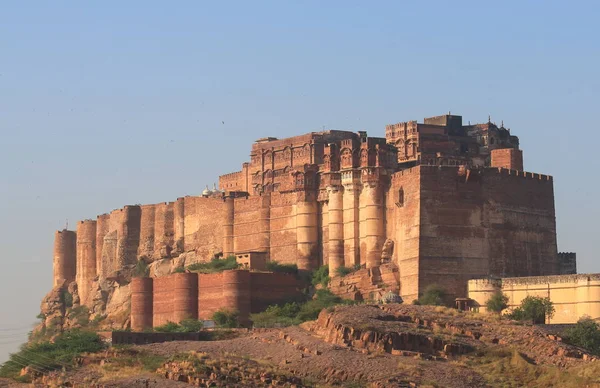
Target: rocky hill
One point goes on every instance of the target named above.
(389, 345)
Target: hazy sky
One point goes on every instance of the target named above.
(115, 103)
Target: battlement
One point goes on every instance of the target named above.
(572, 278)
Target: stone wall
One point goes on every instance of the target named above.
(156, 301)
(574, 296)
(484, 222)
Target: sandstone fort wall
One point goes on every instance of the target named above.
(157, 301)
(573, 296)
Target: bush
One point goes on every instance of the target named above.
(343, 271)
(179, 270)
(295, 313)
(81, 315)
(277, 316)
(585, 334)
(215, 265)
(497, 302)
(45, 356)
(67, 298)
(169, 327)
(227, 319)
(274, 266)
(321, 276)
(191, 326)
(533, 308)
(434, 295)
(185, 326)
(141, 270)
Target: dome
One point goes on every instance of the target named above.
(206, 192)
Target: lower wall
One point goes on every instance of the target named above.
(160, 300)
(573, 296)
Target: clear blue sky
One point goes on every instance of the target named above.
(112, 103)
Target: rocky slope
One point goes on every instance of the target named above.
(355, 346)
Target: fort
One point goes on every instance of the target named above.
(434, 202)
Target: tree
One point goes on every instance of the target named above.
(497, 302)
(434, 295)
(533, 308)
(586, 334)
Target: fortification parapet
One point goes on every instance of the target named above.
(567, 262)
(65, 256)
(141, 303)
(86, 258)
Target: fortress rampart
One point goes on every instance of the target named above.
(573, 296)
(452, 202)
(156, 301)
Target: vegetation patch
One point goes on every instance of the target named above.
(585, 334)
(42, 357)
(506, 367)
(274, 266)
(343, 271)
(226, 319)
(295, 313)
(321, 276)
(141, 270)
(533, 308)
(185, 326)
(434, 295)
(215, 265)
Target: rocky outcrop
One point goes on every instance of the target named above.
(438, 333)
(374, 330)
(367, 283)
(200, 371)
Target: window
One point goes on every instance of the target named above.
(400, 197)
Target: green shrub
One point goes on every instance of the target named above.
(434, 295)
(321, 276)
(277, 316)
(274, 266)
(343, 271)
(169, 327)
(179, 270)
(45, 356)
(67, 298)
(215, 265)
(585, 334)
(185, 326)
(497, 302)
(227, 319)
(295, 313)
(81, 315)
(191, 325)
(533, 308)
(141, 270)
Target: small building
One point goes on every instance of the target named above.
(252, 260)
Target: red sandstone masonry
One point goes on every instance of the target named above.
(156, 301)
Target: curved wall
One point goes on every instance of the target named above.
(141, 303)
(236, 293)
(65, 261)
(86, 257)
(185, 296)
